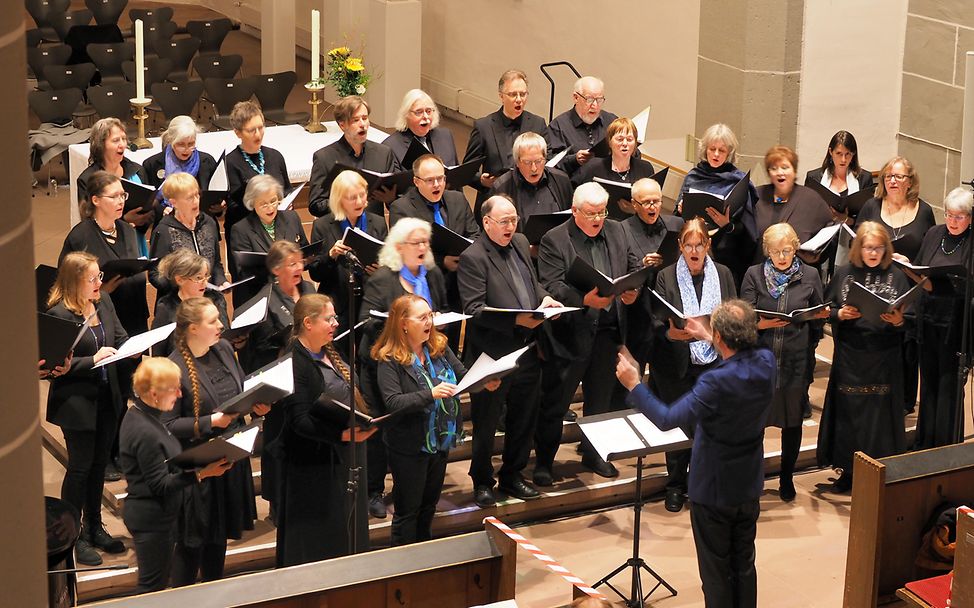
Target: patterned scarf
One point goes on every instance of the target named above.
(174, 165)
(418, 282)
(701, 352)
(443, 425)
(777, 280)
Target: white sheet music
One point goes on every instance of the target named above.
(219, 181)
(485, 367)
(652, 433)
(230, 286)
(556, 159)
(611, 436)
(288, 201)
(547, 312)
(445, 318)
(819, 240)
(245, 439)
(641, 121)
(254, 314)
(281, 376)
(139, 343)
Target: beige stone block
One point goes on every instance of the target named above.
(790, 94)
(929, 49)
(719, 96)
(723, 27)
(954, 177)
(764, 112)
(930, 163)
(965, 43)
(774, 35)
(932, 111)
(952, 11)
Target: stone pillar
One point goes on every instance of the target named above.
(749, 69)
(23, 575)
(277, 37)
(395, 45)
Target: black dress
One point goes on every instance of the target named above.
(312, 505)
(863, 402)
(165, 313)
(805, 212)
(906, 239)
(249, 234)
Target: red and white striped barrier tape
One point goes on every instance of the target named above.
(548, 561)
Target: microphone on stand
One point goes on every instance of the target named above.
(353, 259)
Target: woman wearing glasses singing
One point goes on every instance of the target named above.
(783, 283)
(694, 285)
(419, 120)
(863, 402)
(624, 165)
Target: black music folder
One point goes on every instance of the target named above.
(796, 316)
(933, 271)
(584, 276)
(851, 203)
(126, 267)
(140, 196)
(446, 242)
(44, 278)
(464, 174)
(269, 385)
(669, 248)
(695, 203)
(234, 446)
(365, 246)
(248, 316)
(250, 259)
(219, 187)
(56, 338)
(871, 305)
(539, 224)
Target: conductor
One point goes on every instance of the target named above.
(728, 406)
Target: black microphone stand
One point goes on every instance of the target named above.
(352, 489)
(963, 356)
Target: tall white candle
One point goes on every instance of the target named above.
(315, 43)
(139, 61)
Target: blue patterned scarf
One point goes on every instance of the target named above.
(777, 280)
(420, 285)
(443, 424)
(701, 352)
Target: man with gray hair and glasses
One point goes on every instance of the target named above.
(581, 127)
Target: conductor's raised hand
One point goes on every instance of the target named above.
(626, 372)
(698, 329)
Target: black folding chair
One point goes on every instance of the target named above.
(272, 91)
(43, 12)
(112, 100)
(34, 37)
(157, 36)
(80, 36)
(226, 93)
(56, 106)
(180, 51)
(211, 34)
(108, 58)
(42, 56)
(177, 98)
(156, 69)
(151, 15)
(217, 66)
(63, 23)
(106, 12)
(77, 76)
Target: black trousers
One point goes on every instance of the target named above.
(88, 454)
(375, 453)
(207, 560)
(519, 391)
(936, 421)
(911, 370)
(596, 372)
(154, 555)
(417, 482)
(724, 539)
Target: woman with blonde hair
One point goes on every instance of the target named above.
(783, 283)
(219, 508)
(86, 402)
(347, 204)
(625, 164)
(863, 402)
(154, 494)
(419, 120)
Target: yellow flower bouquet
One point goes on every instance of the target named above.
(346, 73)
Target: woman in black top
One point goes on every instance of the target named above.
(419, 120)
(86, 402)
(783, 283)
(625, 164)
(312, 514)
(224, 507)
(940, 316)
(186, 228)
(155, 488)
(347, 202)
(189, 274)
(107, 153)
(259, 229)
(179, 155)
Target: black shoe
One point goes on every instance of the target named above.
(570, 416)
(85, 554)
(599, 466)
(101, 539)
(674, 500)
(484, 497)
(842, 485)
(543, 477)
(112, 473)
(519, 489)
(377, 508)
(786, 489)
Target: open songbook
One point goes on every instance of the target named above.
(622, 191)
(871, 305)
(486, 368)
(674, 313)
(288, 201)
(584, 276)
(365, 246)
(795, 316)
(439, 320)
(139, 343)
(126, 267)
(246, 318)
(269, 384)
(463, 174)
(851, 203)
(233, 446)
(141, 197)
(628, 433)
(695, 202)
(933, 271)
(537, 313)
(219, 185)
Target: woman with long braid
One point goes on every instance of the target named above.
(312, 516)
(221, 507)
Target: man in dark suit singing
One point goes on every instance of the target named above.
(496, 271)
(583, 344)
(728, 406)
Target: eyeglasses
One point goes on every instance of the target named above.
(516, 95)
(507, 221)
(422, 318)
(532, 163)
(648, 204)
(896, 177)
(420, 112)
(433, 180)
(598, 215)
(957, 218)
(271, 204)
(698, 248)
(591, 101)
(168, 389)
(253, 130)
(623, 139)
(118, 196)
(332, 319)
(880, 249)
(417, 243)
(778, 253)
(200, 278)
(97, 278)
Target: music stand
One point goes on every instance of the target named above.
(628, 434)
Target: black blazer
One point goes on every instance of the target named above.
(374, 157)
(180, 420)
(165, 313)
(492, 138)
(155, 169)
(130, 168)
(72, 401)
(332, 275)
(453, 207)
(87, 236)
(155, 488)
(408, 402)
(485, 280)
(513, 185)
(673, 358)
(865, 178)
(440, 139)
(249, 235)
(571, 335)
(270, 336)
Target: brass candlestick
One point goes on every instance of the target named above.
(140, 115)
(314, 125)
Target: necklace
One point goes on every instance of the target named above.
(943, 243)
(259, 169)
(112, 232)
